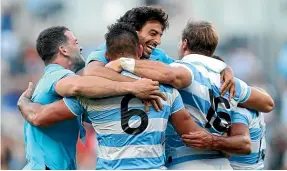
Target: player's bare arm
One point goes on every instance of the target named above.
(45, 115)
(42, 115)
(259, 101)
(178, 77)
(97, 68)
(93, 86)
(238, 142)
(184, 124)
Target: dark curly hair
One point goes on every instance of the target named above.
(138, 16)
(121, 39)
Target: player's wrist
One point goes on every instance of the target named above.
(128, 87)
(128, 64)
(214, 140)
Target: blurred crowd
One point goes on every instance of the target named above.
(20, 64)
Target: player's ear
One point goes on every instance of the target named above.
(140, 50)
(63, 50)
(107, 56)
(184, 44)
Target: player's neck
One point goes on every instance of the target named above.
(64, 62)
(126, 56)
(188, 52)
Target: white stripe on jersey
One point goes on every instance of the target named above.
(212, 63)
(255, 145)
(244, 90)
(184, 66)
(199, 90)
(243, 166)
(196, 114)
(113, 102)
(212, 75)
(114, 127)
(130, 151)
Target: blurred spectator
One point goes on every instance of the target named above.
(44, 9)
(245, 65)
(282, 62)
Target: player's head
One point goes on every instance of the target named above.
(198, 37)
(59, 42)
(149, 22)
(122, 41)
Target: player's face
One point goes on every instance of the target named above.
(74, 51)
(150, 37)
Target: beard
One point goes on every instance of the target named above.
(78, 64)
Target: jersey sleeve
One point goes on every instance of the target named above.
(243, 91)
(191, 69)
(165, 58)
(240, 116)
(131, 75)
(160, 55)
(98, 55)
(74, 105)
(58, 75)
(169, 59)
(176, 101)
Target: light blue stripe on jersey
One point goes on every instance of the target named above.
(120, 140)
(195, 101)
(134, 163)
(256, 133)
(197, 97)
(121, 150)
(256, 125)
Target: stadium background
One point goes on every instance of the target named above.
(253, 41)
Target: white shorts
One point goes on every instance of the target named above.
(203, 164)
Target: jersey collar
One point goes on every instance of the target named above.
(51, 67)
(211, 63)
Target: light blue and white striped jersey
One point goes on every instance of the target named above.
(255, 122)
(128, 137)
(203, 101)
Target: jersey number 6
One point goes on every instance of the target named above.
(126, 114)
(222, 120)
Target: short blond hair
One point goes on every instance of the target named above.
(201, 37)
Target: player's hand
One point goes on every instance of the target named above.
(148, 90)
(229, 84)
(115, 65)
(198, 139)
(156, 103)
(26, 95)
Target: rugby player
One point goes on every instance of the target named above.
(198, 76)
(54, 147)
(126, 142)
(150, 24)
(254, 121)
